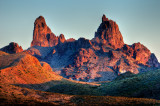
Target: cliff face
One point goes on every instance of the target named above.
(109, 33)
(43, 36)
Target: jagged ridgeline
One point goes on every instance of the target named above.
(41, 74)
(102, 58)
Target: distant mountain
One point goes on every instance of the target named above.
(12, 48)
(101, 59)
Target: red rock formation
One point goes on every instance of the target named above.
(102, 58)
(128, 50)
(42, 35)
(138, 51)
(12, 48)
(141, 53)
(53, 52)
(61, 38)
(84, 56)
(108, 32)
(70, 40)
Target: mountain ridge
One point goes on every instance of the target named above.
(79, 72)
(102, 58)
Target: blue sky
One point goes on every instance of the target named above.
(138, 20)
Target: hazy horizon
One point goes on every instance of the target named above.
(138, 20)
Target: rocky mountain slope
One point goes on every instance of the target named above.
(24, 70)
(21, 68)
(100, 59)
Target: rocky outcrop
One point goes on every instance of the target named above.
(12, 48)
(84, 56)
(70, 40)
(61, 38)
(108, 32)
(128, 50)
(141, 53)
(137, 51)
(42, 34)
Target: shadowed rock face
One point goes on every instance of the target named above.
(109, 33)
(153, 62)
(12, 48)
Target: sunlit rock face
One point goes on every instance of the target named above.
(137, 51)
(109, 33)
(43, 36)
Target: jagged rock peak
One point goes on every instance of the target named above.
(42, 35)
(109, 33)
(104, 18)
(40, 19)
(12, 48)
(61, 38)
(40, 23)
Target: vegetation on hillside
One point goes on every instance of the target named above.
(144, 85)
(13, 95)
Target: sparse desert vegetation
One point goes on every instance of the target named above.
(141, 85)
(13, 95)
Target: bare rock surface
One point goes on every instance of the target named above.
(43, 36)
(108, 32)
